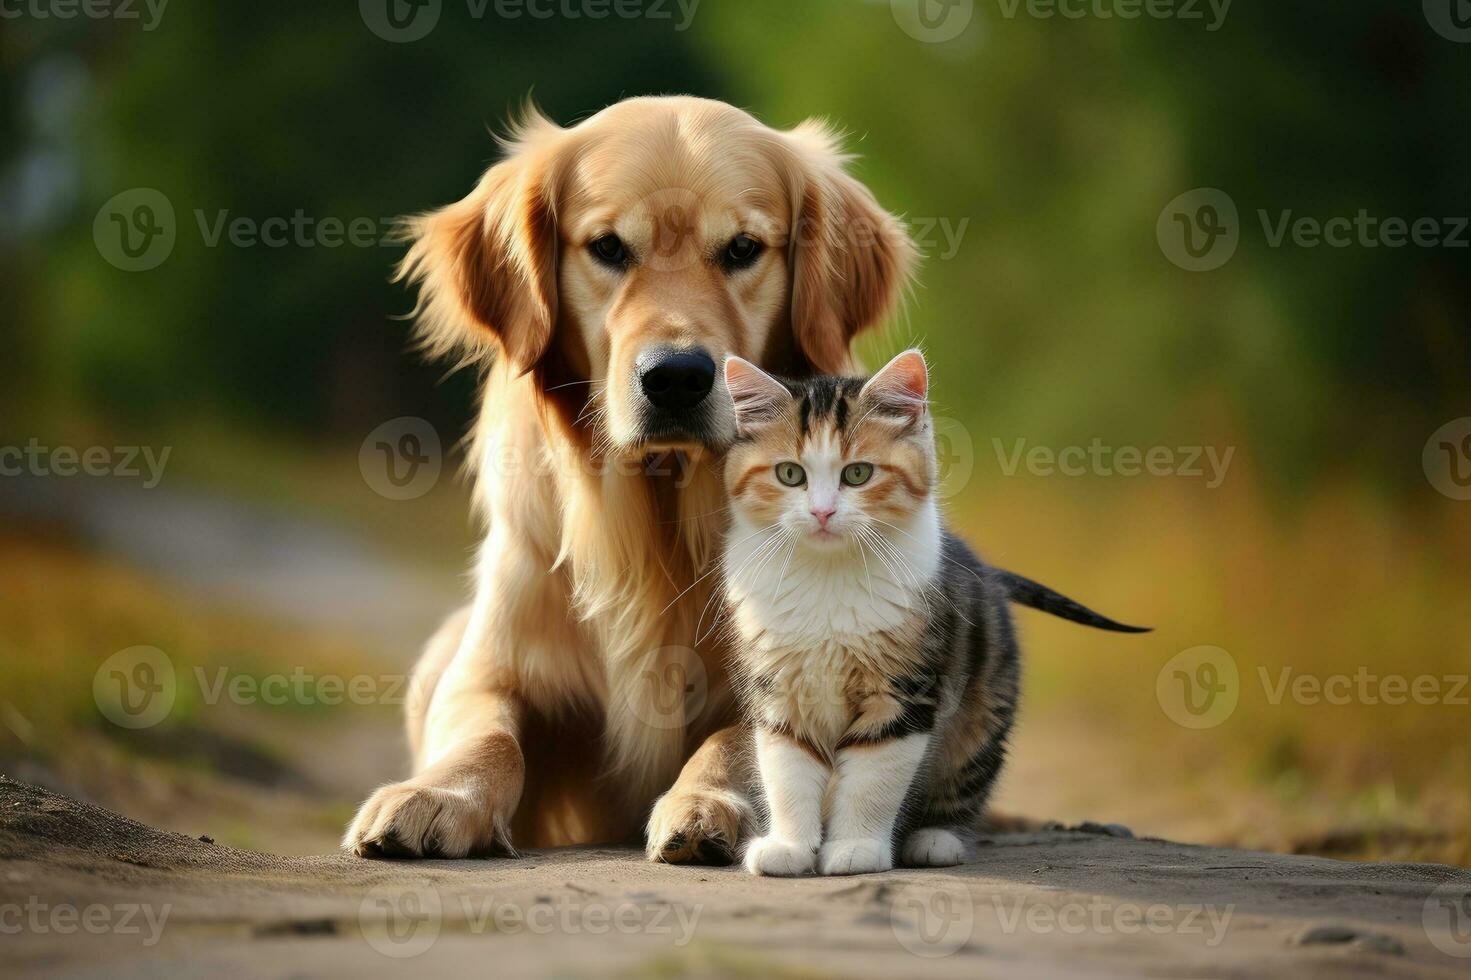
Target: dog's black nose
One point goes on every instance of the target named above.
(676, 380)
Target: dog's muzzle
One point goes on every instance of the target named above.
(678, 409)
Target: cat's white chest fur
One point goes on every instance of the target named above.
(810, 617)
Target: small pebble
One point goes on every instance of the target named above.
(1340, 935)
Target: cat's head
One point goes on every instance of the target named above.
(830, 458)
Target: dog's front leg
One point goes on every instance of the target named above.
(466, 713)
(460, 804)
(707, 812)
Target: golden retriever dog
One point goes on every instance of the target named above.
(597, 276)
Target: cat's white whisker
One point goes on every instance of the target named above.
(791, 550)
(896, 563)
(763, 552)
(965, 568)
(714, 567)
(867, 578)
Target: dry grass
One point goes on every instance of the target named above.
(1339, 584)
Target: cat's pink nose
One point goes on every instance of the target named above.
(823, 513)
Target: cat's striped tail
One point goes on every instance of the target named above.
(1038, 596)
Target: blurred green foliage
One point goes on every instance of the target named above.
(1045, 148)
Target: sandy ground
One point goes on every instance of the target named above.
(85, 892)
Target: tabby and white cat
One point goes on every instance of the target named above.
(874, 652)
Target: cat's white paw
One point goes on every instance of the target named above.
(778, 858)
(855, 856)
(932, 847)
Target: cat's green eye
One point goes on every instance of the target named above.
(857, 474)
(790, 474)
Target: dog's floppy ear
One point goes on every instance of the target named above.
(850, 258)
(486, 266)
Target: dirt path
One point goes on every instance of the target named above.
(278, 561)
(86, 892)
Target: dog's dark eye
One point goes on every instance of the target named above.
(609, 250)
(741, 252)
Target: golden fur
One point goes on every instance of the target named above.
(537, 712)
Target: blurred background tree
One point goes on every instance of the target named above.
(1048, 146)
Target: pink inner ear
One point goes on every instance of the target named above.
(910, 375)
(904, 379)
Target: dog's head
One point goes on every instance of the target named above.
(623, 258)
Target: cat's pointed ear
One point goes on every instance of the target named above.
(757, 395)
(902, 385)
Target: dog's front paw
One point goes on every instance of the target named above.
(779, 858)
(697, 826)
(462, 809)
(855, 856)
(409, 820)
